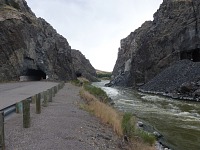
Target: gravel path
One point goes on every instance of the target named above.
(60, 126)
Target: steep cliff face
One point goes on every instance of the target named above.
(173, 35)
(29, 46)
(83, 67)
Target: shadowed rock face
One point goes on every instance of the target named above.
(83, 67)
(27, 42)
(173, 35)
(30, 43)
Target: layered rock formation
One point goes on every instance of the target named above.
(29, 46)
(173, 35)
(82, 66)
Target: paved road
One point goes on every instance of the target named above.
(11, 93)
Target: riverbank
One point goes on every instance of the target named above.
(179, 81)
(62, 125)
(124, 124)
(177, 121)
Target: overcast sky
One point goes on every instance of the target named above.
(95, 27)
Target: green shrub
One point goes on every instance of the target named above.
(146, 137)
(104, 75)
(97, 92)
(130, 130)
(128, 125)
(76, 82)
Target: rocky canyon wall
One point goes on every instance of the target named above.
(29, 46)
(83, 67)
(172, 36)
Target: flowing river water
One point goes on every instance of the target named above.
(178, 121)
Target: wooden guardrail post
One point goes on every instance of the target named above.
(38, 103)
(63, 84)
(19, 107)
(2, 136)
(45, 103)
(26, 113)
(59, 86)
(50, 95)
(55, 89)
(47, 93)
(53, 92)
(33, 99)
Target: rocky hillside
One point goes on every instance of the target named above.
(29, 46)
(172, 36)
(181, 80)
(82, 66)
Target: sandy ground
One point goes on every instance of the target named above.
(61, 126)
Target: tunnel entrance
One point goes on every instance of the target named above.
(33, 75)
(78, 74)
(37, 74)
(193, 55)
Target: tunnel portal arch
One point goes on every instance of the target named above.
(33, 75)
(78, 74)
(193, 55)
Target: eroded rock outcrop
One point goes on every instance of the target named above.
(173, 35)
(29, 46)
(83, 67)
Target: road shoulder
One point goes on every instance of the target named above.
(62, 125)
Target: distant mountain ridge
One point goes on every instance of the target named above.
(100, 71)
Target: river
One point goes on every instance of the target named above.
(177, 120)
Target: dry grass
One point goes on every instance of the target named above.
(81, 79)
(102, 72)
(106, 113)
(110, 116)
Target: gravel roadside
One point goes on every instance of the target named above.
(62, 126)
